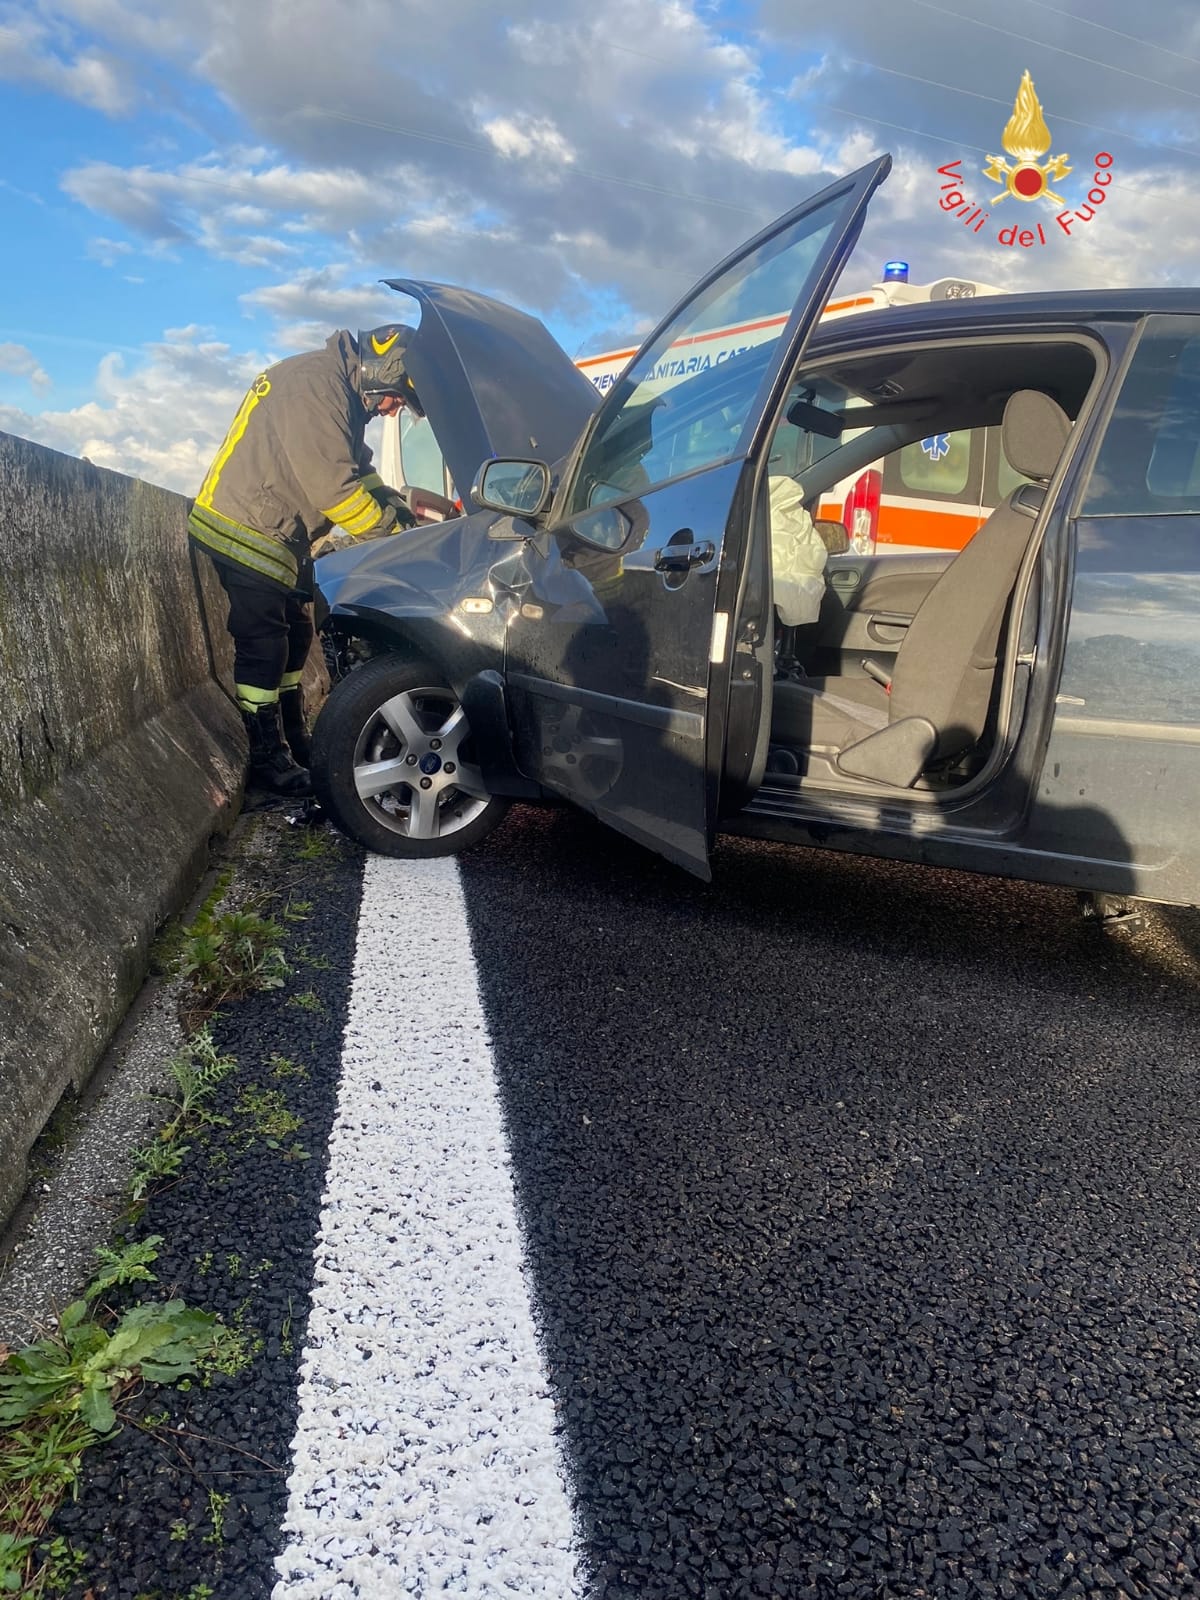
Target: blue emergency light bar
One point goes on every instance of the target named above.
(895, 272)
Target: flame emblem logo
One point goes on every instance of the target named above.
(1025, 138)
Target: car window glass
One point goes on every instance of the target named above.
(424, 467)
(940, 464)
(1007, 477)
(681, 406)
(607, 527)
(795, 446)
(1149, 460)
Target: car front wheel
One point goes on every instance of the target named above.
(394, 765)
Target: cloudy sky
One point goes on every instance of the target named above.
(203, 186)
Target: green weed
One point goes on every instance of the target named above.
(82, 1367)
(233, 1351)
(306, 1001)
(63, 1567)
(58, 1396)
(267, 1112)
(313, 845)
(153, 1165)
(198, 1070)
(14, 1560)
(318, 963)
(128, 1264)
(230, 954)
(282, 1067)
(218, 1504)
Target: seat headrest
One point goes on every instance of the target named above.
(1035, 432)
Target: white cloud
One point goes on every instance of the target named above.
(15, 358)
(107, 251)
(307, 307)
(667, 136)
(526, 137)
(161, 418)
(93, 77)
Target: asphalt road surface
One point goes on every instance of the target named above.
(832, 1230)
(862, 1206)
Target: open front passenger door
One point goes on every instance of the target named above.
(620, 653)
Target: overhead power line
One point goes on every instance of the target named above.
(1132, 38)
(1059, 49)
(1074, 122)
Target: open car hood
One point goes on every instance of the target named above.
(493, 381)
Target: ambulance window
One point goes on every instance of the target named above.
(940, 464)
(1149, 460)
(424, 467)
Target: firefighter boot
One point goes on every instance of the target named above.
(295, 725)
(271, 766)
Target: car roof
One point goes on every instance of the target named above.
(1054, 308)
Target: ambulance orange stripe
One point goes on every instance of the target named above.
(933, 530)
(927, 530)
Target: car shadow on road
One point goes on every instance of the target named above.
(852, 902)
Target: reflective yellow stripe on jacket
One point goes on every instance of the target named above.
(224, 535)
(233, 540)
(259, 389)
(358, 513)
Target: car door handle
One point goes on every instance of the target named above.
(887, 627)
(683, 557)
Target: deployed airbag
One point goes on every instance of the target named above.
(798, 555)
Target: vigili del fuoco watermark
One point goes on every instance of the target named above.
(1026, 138)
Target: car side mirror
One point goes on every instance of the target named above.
(522, 488)
(833, 536)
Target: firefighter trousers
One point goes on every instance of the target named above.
(271, 627)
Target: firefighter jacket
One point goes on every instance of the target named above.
(292, 463)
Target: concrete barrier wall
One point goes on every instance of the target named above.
(120, 757)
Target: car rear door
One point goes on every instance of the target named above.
(623, 639)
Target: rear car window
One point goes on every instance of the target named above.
(1149, 459)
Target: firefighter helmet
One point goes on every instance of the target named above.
(381, 366)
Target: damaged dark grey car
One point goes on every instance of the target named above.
(599, 625)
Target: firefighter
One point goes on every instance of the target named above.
(292, 467)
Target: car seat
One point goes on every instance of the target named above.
(936, 703)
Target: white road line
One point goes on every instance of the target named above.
(425, 1458)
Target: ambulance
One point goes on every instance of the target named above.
(933, 495)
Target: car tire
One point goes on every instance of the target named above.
(392, 763)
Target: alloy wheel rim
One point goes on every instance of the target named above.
(412, 765)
